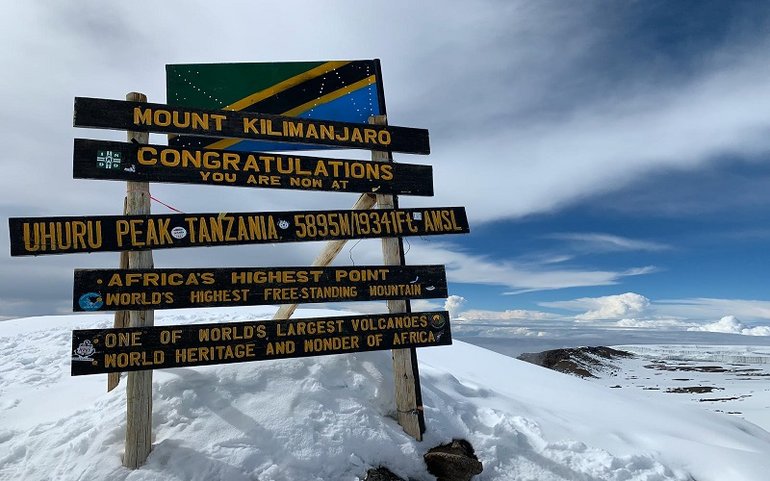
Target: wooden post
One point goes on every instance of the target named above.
(121, 317)
(138, 384)
(405, 370)
(327, 255)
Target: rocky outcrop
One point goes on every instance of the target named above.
(381, 474)
(455, 461)
(579, 361)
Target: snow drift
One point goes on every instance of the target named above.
(330, 418)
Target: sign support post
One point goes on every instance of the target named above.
(405, 371)
(138, 384)
(121, 317)
(136, 289)
(327, 255)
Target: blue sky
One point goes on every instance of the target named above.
(614, 158)
(688, 228)
(707, 245)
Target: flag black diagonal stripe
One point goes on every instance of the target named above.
(313, 88)
(294, 97)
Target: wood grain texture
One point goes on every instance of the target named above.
(166, 119)
(138, 384)
(253, 286)
(115, 233)
(406, 375)
(229, 168)
(162, 347)
(121, 320)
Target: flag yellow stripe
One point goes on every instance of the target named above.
(225, 143)
(269, 92)
(286, 84)
(331, 96)
(272, 90)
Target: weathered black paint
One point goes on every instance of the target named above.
(274, 171)
(96, 351)
(137, 289)
(120, 115)
(61, 235)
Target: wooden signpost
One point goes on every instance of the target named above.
(135, 346)
(406, 373)
(96, 351)
(63, 235)
(166, 119)
(98, 159)
(138, 384)
(118, 289)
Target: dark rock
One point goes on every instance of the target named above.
(577, 361)
(381, 474)
(694, 389)
(455, 461)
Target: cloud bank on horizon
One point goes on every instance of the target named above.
(533, 110)
(630, 311)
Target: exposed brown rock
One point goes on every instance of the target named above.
(381, 474)
(577, 361)
(455, 461)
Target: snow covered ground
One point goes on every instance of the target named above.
(734, 380)
(329, 418)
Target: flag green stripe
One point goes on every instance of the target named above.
(214, 86)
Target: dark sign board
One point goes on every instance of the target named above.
(342, 90)
(62, 235)
(161, 118)
(125, 289)
(96, 351)
(98, 159)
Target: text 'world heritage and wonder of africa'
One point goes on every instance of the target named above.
(97, 351)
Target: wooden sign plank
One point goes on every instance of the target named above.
(96, 351)
(166, 119)
(62, 235)
(120, 289)
(98, 159)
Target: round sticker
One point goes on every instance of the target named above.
(437, 321)
(179, 232)
(91, 301)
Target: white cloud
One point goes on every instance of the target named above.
(498, 332)
(623, 311)
(426, 305)
(481, 269)
(536, 156)
(703, 308)
(607, 307)
(653, 323)
(508, 315)
(728, 324)
(635, 310)
(603, 147)
(377, 307)
(599, 242)
(756, 331)
(628, 311)
(453, 304)
(731, 325)
(612, 307)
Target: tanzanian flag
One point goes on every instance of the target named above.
(348, 91)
